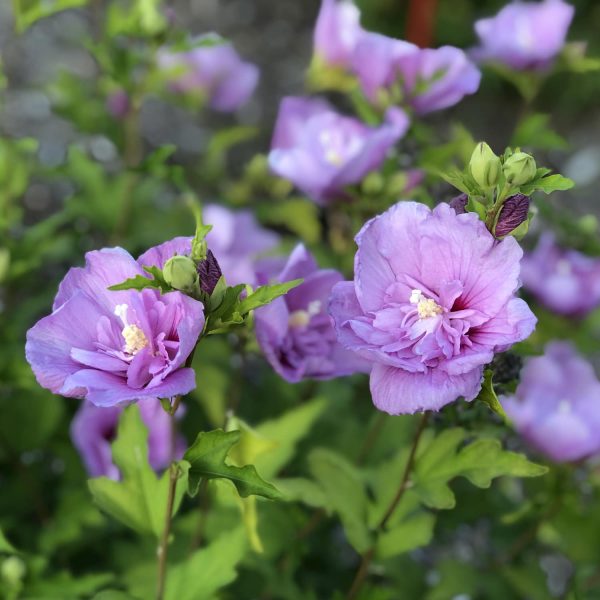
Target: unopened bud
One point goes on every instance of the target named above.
(459, 204)
(13, 570)
(209, 272)
(373, 183)
(514, 211)
(519, 168)
(485, 166)
(180, 273)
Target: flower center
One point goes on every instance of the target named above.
(301, 318)
(334, 158)
(426, 307)
(135, 338)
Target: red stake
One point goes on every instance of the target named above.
(421, 22)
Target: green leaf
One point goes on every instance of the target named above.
(488, 395)
(456, 179)
(220, 144)
(208, 570)
(534, 131)
(27, 12)
(74, 518)
(548, 185)
(112, 595)
(286, 431)
(265, 294)
(5, 545)
(480, 461)
(304, 490)
(139, 500)
(484, 460)
(345, 493)
(207, 457)
(298, 215)
(221, 317)
(31, 423)
(139, 282)
(528, 83)
(135, 17)
(476, 207)
(412, 533)
(64, 586)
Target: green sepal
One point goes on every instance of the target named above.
(488, 395)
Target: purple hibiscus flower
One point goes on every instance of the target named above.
(565, 281)
(295, 332)
(93, 429)
(337, 32)
(321, 151)
(427, 79)
(524, 35)
(433, 298)
(215, 70)
(236, 240)
(557, 404)
(112, 347)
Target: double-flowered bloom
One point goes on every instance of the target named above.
(524, 35)
(295, 332)
(93, 429)
(557, 404)
(565, 281)
(426, 79)
(433, 298)
(392, 71)
(214, 70)
(322, 151)
(114, 346)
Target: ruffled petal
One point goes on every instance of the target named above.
(397, 391)
(103, 268)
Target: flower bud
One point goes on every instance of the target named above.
(13, 570)
(520, 168)
(180, 273)
(459, 204)
(485, 166)
(514, 211)
(209, 272)
(373, 183)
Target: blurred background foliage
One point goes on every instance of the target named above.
(74, 178)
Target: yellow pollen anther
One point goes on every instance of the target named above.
(334, 158)
(426, 307)
(299, 318)
(429, 308)
(135, 340)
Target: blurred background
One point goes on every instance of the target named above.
(277, 36)
(64, 190)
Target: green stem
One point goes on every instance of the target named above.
(361, 574)
(132, 156)
(164, 540)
